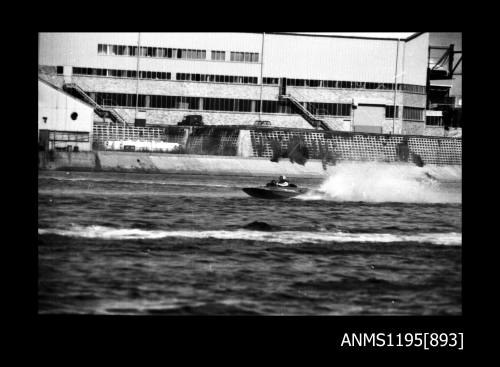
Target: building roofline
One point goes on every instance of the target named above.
(413, 36)
(63, 91)
(348, 37)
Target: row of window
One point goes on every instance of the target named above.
(411, 88)
(240, 105)
(68, 136)
(413, 113)
(158, 75)
(170, 53)
(215, 104)
(344, 84)
(331, 109)
(434, 120)
(245, 56)
(243, 79)
(174, 53)
(409, 113)
(217, 78)
(219, 55)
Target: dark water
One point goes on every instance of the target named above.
(161, 244)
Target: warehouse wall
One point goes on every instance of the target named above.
(415, 60)
(292, 56)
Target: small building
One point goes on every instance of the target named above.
(64, 122)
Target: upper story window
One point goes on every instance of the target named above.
(146, 51)
(389, 112)
(270, 80)
(122, 73)
(413, 113)
(191, 54)
(244, 56)
(219, 55)
(434, 120)
(216, 78)
(102, 49)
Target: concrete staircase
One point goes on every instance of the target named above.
(308, 116)
(75, 90)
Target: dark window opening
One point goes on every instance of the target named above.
(389, 112)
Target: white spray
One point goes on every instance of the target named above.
(384, 182)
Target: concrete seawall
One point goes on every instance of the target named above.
(69, 161)
(115, 161)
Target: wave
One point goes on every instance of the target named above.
(382, 182)
(285, 237)
(136, 182)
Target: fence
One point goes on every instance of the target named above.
(209, 140)
(357, 146)
(103, 135)
(280, 143)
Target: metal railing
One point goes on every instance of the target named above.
(100, 110)
(308, 116)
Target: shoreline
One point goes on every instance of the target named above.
(203, 165)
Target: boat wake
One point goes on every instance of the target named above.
(285, 237)
(382, 182)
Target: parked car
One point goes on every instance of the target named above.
(262, 123)
(191, 120)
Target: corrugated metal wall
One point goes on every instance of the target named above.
(291, 56)
(328, 58)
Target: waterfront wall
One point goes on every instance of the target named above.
(200, 165)
(114, 161)
(79, 161)
(277, 143)
(346, 146)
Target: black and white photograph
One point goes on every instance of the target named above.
(249, 173)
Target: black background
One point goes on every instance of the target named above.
(72, 338)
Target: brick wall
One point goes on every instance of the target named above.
(388, 124)
(412, 127)
(338, 123)
(172, 117)
(434, 130)
(244, 91)
(230, 140)
(360, 147)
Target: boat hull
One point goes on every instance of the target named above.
(273, 193)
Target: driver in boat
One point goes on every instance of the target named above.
(282, 181)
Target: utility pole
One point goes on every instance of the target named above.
(137, 71)
(395, 88)
(352, 115)
(261, 73)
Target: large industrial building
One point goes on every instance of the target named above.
(308, 81)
